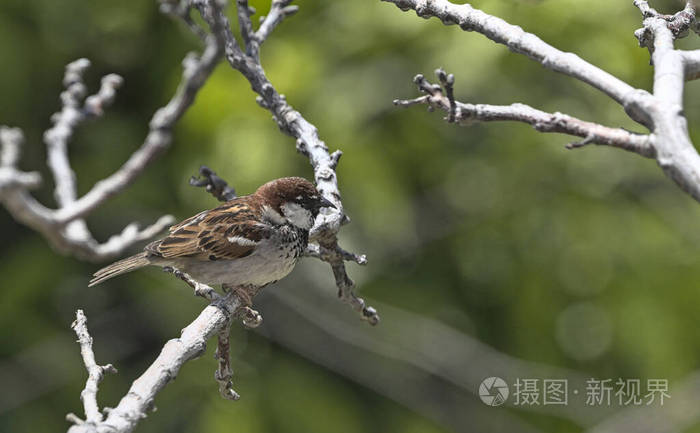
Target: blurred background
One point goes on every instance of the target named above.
(493, 251)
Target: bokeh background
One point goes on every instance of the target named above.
(493, 251)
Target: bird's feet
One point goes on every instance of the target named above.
(249, 317)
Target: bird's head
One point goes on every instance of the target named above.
(294, 199)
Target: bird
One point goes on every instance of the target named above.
(244, 244)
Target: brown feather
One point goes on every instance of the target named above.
(228, 232)
(117, 268)
(207, 235)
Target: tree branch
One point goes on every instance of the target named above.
(519, 41)
(96, 372)
(64, 227)
(441, 98)
(139, 401)
(213, 184)
(279, 10)
(224, 373)
(215, 318)
(196, 70)
(66, 238)
(661, 112)
(308, 142)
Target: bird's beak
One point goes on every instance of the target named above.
(323, 202)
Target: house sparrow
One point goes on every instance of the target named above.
(244, 244)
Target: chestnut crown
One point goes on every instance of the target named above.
(295, 198)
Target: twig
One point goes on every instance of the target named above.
(661, 112)
(679, 23)
(138, 402)
(200, 289)
(224, 373)
(441, 98)
(279, 10)
(64, 227)
(196, 70)
(95, 372)
(245, 24)
(213, 184)
(308, 142)
(215, 318)
(519, 41)
(72, 239)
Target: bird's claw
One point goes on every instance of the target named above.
(250, 318)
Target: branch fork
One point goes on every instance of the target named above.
(661, 112)
(441, 96)
(96, 373)
(216, 318)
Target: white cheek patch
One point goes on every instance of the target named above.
(298, 215)
(241, 241)
(272, 215)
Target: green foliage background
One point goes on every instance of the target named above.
(587, 259)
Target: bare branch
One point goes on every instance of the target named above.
(675, 151)
(182, 9)
(72, 239)
(279, 10)
(139, 401)
(308, 142)
(442, 98)
(131, 235)
(95, 372)
(195, 72)
(64, 227)
(11, 140)
(679, 23)
(213, 184)
(661, 112)
(519, 41)
(200, 289)
(215, 318)
(245, 24)
(224, 373)
(65, 121)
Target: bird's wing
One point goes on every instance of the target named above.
(228, 232)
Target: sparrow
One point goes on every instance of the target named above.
(244, 244)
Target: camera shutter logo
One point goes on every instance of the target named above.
(493, 391)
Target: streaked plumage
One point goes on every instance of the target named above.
(250, 241)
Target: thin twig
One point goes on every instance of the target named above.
(191, 344)
(213, 184)
(200, 289)
(519, 41)
(95, 372)
(224, 373)
(308, 142)
(661, 112)
(443, 98)
(64, 227)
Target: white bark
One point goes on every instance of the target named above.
(64, 227)
(661, 112)
(216, 318)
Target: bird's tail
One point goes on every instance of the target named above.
(117, 268)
